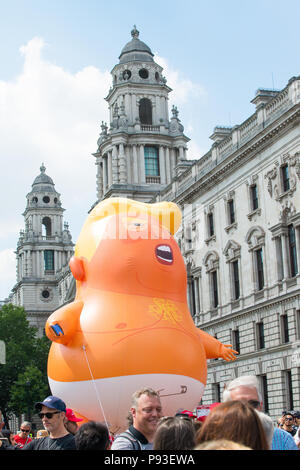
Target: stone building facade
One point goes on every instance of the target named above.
(241, 241)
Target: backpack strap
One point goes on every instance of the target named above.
(135, 443)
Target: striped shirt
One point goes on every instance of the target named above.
(282, 440)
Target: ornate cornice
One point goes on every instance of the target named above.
(262, 307)
(238, 157)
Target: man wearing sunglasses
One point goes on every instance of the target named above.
(246, 388)
(23, 438)
(288, 423)
(52, 412)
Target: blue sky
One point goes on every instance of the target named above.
(55, 59)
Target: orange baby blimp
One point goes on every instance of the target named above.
(129, 325)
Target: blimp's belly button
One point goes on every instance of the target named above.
(120, 326)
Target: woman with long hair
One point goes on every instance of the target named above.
(235, 421)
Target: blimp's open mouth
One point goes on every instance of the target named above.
(164, 254)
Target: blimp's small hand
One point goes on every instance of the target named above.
(58, 331)
(61, 326)
(228, 353)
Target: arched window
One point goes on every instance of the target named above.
(46, 227)
(145, 111)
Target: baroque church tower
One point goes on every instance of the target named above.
(139, 152)
(43, 250)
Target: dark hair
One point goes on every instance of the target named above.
(6, 433)
(174, 433)
(92, 436)
(235, 421)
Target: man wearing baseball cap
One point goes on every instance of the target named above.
(71, 421)
(52, 412)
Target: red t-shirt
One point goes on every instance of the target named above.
(20, 441)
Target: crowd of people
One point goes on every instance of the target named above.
(237, 423)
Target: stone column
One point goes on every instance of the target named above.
(129, 172)
(135, 113)
(29, 263)
(162, 107)
(142, 165)
(37, 266)
(109, 168)
(157, 111)
(122, 164)
(135, 165)
(55, 261)
(189, 296)
(128, 107)
(168, 166)
(104, 173)
(181, 153)
(115, 172)
(99, 178)
(172, 161)
(162, 170)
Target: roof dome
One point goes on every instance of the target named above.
(135, 50)
(43, 178)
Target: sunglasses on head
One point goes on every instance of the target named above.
(48, 415)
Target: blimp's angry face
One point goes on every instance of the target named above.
(136, 255)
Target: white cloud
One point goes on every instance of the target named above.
(7, 272)
(182, 88)
(49, 115)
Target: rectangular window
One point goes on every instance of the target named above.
(289, 390)
(216, 393)
(151, 161)
(236, 280)
(285, 328)
(192, 297)
(236, 340)
(215, 295)
(211, 228)
(292, 250)
(259, 269)
(264, 386)
(285, 177)
(254, 197)
(260, 335)
(49, 260)
(231, 214)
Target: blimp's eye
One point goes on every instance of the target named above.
(137, 224)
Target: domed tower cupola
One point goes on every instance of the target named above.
(138, 151)
(135, 50)
(43, 193)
